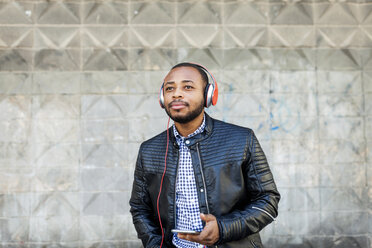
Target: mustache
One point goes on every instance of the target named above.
(177, 101)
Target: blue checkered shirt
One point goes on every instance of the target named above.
(187, 204)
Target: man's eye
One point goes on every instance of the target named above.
(188, 87)
(168, 88)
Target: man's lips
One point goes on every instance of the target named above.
(177, 105)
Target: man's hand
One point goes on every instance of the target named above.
(208, 236)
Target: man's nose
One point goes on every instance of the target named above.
(177, 93)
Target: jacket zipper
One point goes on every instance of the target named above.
(175, 191)
(204, 185)
(264, 211)
(201, 171)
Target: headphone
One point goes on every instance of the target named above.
(210, 91)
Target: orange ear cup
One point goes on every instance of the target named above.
(215, 94)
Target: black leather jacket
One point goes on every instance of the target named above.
(233, 180)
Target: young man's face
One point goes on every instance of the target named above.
(184, 94)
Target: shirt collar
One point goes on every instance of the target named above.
(180, 138)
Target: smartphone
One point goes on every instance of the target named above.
(184, 231)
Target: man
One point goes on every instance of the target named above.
(203, 174)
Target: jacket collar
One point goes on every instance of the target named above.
(194, 139)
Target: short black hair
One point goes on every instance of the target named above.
(202, 72)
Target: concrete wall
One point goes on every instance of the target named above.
(78, 94)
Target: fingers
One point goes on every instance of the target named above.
(189, 237)
(202, 238)
(209, 234)
(193, 237)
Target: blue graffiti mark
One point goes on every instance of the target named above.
(231, 88)
(260, 126)
(284, 116)
(271, 122)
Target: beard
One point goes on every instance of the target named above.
(189, 116)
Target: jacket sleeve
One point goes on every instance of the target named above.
(262, 208)
(141, 209)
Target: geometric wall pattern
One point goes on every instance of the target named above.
(78, 94)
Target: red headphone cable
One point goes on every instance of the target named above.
(161, 185)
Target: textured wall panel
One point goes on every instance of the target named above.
(79, 83)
